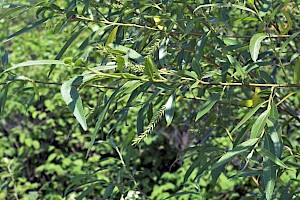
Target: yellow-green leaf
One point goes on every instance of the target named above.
(112, 36)
(297, 72)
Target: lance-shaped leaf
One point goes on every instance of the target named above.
(269, 169)
(208, 105)
(150, 67)
(170, 108)
(200, 46)
(297, 72)
(34, 63)
(266, 153)
(247, 117)
(276, 136)
(71, 97)
(66, 46)
(126, 50)
(100, 119)
(112, 36)
(192, 167)
(238, 150)
(259, 124)
(25, 29)
(255, 44)
(239, 69)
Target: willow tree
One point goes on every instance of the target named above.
(216, 70)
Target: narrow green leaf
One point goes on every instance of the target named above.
(247, 173)
(163, 51)
(259, 124)
(112, 36)
(85, 192)
(34, 62)
(266, 153)
(200, 46)
(276, 135)
(66, 46)
(149, 67)
(170, 109)
(297, 72)
(269, 169)
(3, 97)
(189, 27)
(108, 191)
(121, 63)
(255, 44)
(241, 72)
(130, 52)
(25, 29)
(274, 112)
(100, 119)
(238, 150)
(284, 45)
(247, 117)
(225, 5)
(208, 105)
(192, 167)
(8, 11)
(72, 99)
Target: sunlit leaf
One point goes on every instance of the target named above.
(259, 124)
(266, 153)
(255, 44)
(72, 99)
(112, 36)
(170, 109)
(33, 63)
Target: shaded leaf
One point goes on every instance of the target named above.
(25, 29)
(297, 72)
(238, 150)
(66, 46)
(276, 136)
(194, 165)
(108, 191)
(200, 46)
(293, 36)
(208, 105)
(100, 119)
(241, 72)
(247, 117)
(269, 169)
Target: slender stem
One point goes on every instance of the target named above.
(172, 32)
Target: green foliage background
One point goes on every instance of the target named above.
(207, 91)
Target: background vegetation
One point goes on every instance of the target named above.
(149, 99)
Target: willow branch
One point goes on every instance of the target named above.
(172, 32)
